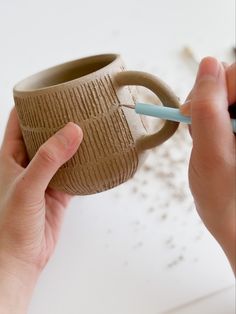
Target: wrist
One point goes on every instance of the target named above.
(221, 222)
(17, 282)
(228, 244)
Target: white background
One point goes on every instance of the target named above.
(127, 252)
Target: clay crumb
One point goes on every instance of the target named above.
(172, 264)
(181, 258)
(175, 262)
(164, 216)
(144, 195)
(150, 210)
(147, 168)
(134, 190)
(166, 204)
(136, 223)
(179, 195)
(169, 240)
(138, 245)
(188, 53)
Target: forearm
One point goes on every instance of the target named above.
(231, 254)
(228, 244)
(15, 288)
(14, 296)
(223, 229)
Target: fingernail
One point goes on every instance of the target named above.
(185, 109)
(69, 134)
(209, 68)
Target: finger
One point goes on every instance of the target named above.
(50, 157)
(13, 140)
(211, 127)
(231, 88)
(231, 83)
(185, 109)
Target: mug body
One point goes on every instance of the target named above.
(85, 92)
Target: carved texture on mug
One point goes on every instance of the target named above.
(107, 156)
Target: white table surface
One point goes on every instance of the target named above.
(140, 248)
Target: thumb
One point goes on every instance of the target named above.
(50, 157)
(211, 128)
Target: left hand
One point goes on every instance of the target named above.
(31, 214)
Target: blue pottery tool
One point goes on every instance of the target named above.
(166, 113)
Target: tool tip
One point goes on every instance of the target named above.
(130, 106)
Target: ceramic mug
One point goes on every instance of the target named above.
(89, 92)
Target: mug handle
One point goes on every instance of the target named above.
(167, 97)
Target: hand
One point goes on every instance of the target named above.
(31, 214)
(212, 168)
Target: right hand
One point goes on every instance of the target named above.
(212, 168)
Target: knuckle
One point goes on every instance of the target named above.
(205, 108)
(46, 155)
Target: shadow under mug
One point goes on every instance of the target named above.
(89, 92)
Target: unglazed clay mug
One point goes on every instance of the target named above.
(90, 92)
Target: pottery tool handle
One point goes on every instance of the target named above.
(167, 113)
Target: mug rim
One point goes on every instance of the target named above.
(21, 87)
